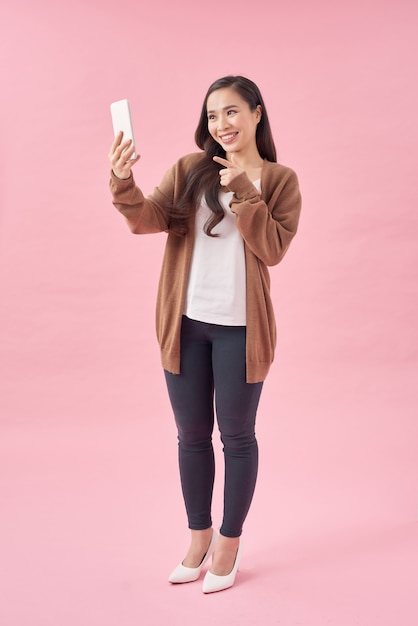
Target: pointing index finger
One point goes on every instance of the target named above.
(221, 161)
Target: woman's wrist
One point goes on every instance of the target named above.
(120, 177)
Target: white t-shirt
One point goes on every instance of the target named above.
(216, 292)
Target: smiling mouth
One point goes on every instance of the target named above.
(228, 137)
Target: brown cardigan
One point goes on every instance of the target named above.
(267, 223)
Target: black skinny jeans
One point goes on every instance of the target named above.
(213, 366)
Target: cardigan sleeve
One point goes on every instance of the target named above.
(143, 214)
(151, 214)
(267, 221)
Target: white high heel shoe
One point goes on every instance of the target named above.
(183, 574)
(213, 582)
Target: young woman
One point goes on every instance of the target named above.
(230, 211)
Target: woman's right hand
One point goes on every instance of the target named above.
(120, 157)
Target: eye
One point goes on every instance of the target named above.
(211, 117)
(231, 112)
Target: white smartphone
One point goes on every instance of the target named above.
(122, 121)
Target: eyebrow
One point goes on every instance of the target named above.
(230, 106)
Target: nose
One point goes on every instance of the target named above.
(223, 122)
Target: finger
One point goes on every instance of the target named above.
(118, 147)
(129, 158)
(221, 161)
(117, 141)
(126, 149)
(123, 170)
(123, 154)
(123, 147)
(224, 177)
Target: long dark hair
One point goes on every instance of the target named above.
(203, 179)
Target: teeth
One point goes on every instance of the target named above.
(227, 137)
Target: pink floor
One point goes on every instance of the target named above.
(84, 536)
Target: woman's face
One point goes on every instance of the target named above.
(231, 122)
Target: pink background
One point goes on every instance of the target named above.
(92, 520)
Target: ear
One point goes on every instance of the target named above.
(258, 113)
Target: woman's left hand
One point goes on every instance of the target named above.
(231, 171)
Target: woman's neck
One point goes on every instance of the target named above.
(251, 163)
